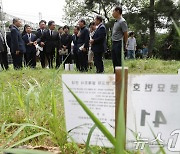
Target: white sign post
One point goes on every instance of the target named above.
(154, 103)
(98, 93)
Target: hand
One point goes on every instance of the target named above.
(17, 52)
(64, 47)
(30, 43)
(84, 49)
(42, 44)
(91, 41)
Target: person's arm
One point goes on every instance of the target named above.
(8, 38)
(127, 43)
(69, 42)
(86, 45)
(125, 37)
(43, 39)
(135, 45)
(26, 42)
(38, 37)
(125, 31)
(101, 37)
(14, 39)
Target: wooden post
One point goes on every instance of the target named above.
(118, 80)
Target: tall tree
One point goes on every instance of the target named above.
(151, 25)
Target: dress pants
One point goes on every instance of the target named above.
(50, 57)
(83, 61)
(4, 60)
(98, 62)
(17, 60)
(76, 60)
(42, 58)
(116, 53)
(31, 59)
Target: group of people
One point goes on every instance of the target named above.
(131, 49)
(86, 46)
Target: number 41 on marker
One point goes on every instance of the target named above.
(159, 118)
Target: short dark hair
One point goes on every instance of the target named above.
(66, 27)
(25, 26)
(100, 18)
(118, 8)
(15, 20)
(10, 26)
(59, 28)
(28, 26)
(77, 27)
(131, 33)
(92, 24)
(83, 21)
(42, 22)
(50, 23)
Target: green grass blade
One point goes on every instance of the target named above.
(18, 96)
(14, 135)
(3, 128)
(29, 138)
(27, 100)
(25, 151)
(148, 150)
(76, 146)
(175, 25)
(77, 127)
(54, 107)
(121, 133)
(27, 125)
(161, 149)
(62, 65)
(89, 138)
(98, 123)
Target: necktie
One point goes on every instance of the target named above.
(51, 32)
(29, 37)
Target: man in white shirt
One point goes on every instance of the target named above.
(92, 29)
(131, 46)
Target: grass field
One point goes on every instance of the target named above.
(35, 97)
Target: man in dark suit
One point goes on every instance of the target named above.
(75, 46)
(3, 52)
(59, 47)
(8, 37)
(98, 44)
(17, 44)
(40, 31)
(50, 40)
(83, 46)
(30, 42)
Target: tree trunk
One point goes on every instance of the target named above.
(151, 26)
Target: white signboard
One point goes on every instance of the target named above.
(98, 93)
(154, 102)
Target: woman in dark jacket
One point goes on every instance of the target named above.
(66, 40)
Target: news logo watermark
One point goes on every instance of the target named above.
(173, 143)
